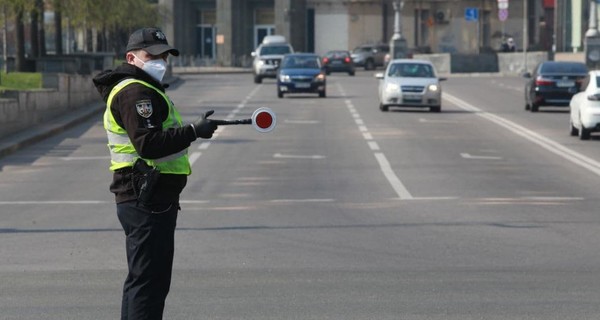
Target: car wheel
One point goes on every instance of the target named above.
(383, 107)
(584, 134)
(527, 107)
(322, 94)
(534, 107)
(351, 73)
(369, 65)
(257, 79)
(574, 131)
(435, 109)
(327, 72)
(279, 94)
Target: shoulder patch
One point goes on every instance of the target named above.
(144, 108)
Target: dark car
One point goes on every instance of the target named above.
(338, 61)
(301, 73)
(553, 83)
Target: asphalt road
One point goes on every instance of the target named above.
(482, 211)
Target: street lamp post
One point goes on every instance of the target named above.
(525, 40)
(398, 47)
(592, 39)
(398, 5)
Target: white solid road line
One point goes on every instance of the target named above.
(469, 156)
(300, 200)
(548, 144)
(292, 156)
(397, 185)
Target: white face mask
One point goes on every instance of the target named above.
(155, 68)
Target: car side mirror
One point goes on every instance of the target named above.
(527, 75)
(379, 75)
(442, 79)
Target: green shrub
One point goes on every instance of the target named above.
(20, 80)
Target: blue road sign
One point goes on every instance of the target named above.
(472, 14)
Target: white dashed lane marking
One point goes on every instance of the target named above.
(384, 164)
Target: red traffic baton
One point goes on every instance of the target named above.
(263, 120)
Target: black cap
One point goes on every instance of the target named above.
(151, 40)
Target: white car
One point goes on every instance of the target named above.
(268, 56)
(410, 83)
(585, 107)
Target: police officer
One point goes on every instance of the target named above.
(148, 149)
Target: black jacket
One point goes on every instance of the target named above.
(145, 130)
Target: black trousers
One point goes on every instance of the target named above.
(150, 245)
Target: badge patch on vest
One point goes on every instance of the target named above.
(144, 108)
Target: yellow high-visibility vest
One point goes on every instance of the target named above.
(122, 152)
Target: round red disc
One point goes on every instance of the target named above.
(264, 120)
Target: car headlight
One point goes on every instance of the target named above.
(284, 78)
(320, 77)
(433, 87)
(392, 88)
(260, 63)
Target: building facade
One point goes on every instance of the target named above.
(225, 32)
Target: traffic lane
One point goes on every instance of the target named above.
(65, 169)
(57, 212)
(452, 117)
(313, 138)
(383, 294)
(59, 228)
(504, 96)
(360, 235)
(475, 212)
(311, 294)
(484, 173)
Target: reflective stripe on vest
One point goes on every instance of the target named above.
(122, 152)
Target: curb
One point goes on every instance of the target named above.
(56, 125)
(59, 124)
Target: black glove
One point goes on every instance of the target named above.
(203, 127)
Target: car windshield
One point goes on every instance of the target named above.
(563, 68)
(268, 50)
(362, 49)
(336, 54)
(411, 70)
(301, 62)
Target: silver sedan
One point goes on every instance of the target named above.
(410, 83)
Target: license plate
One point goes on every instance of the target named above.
(565, 84)
(336, 62)
(412, 97)
(302, 85)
